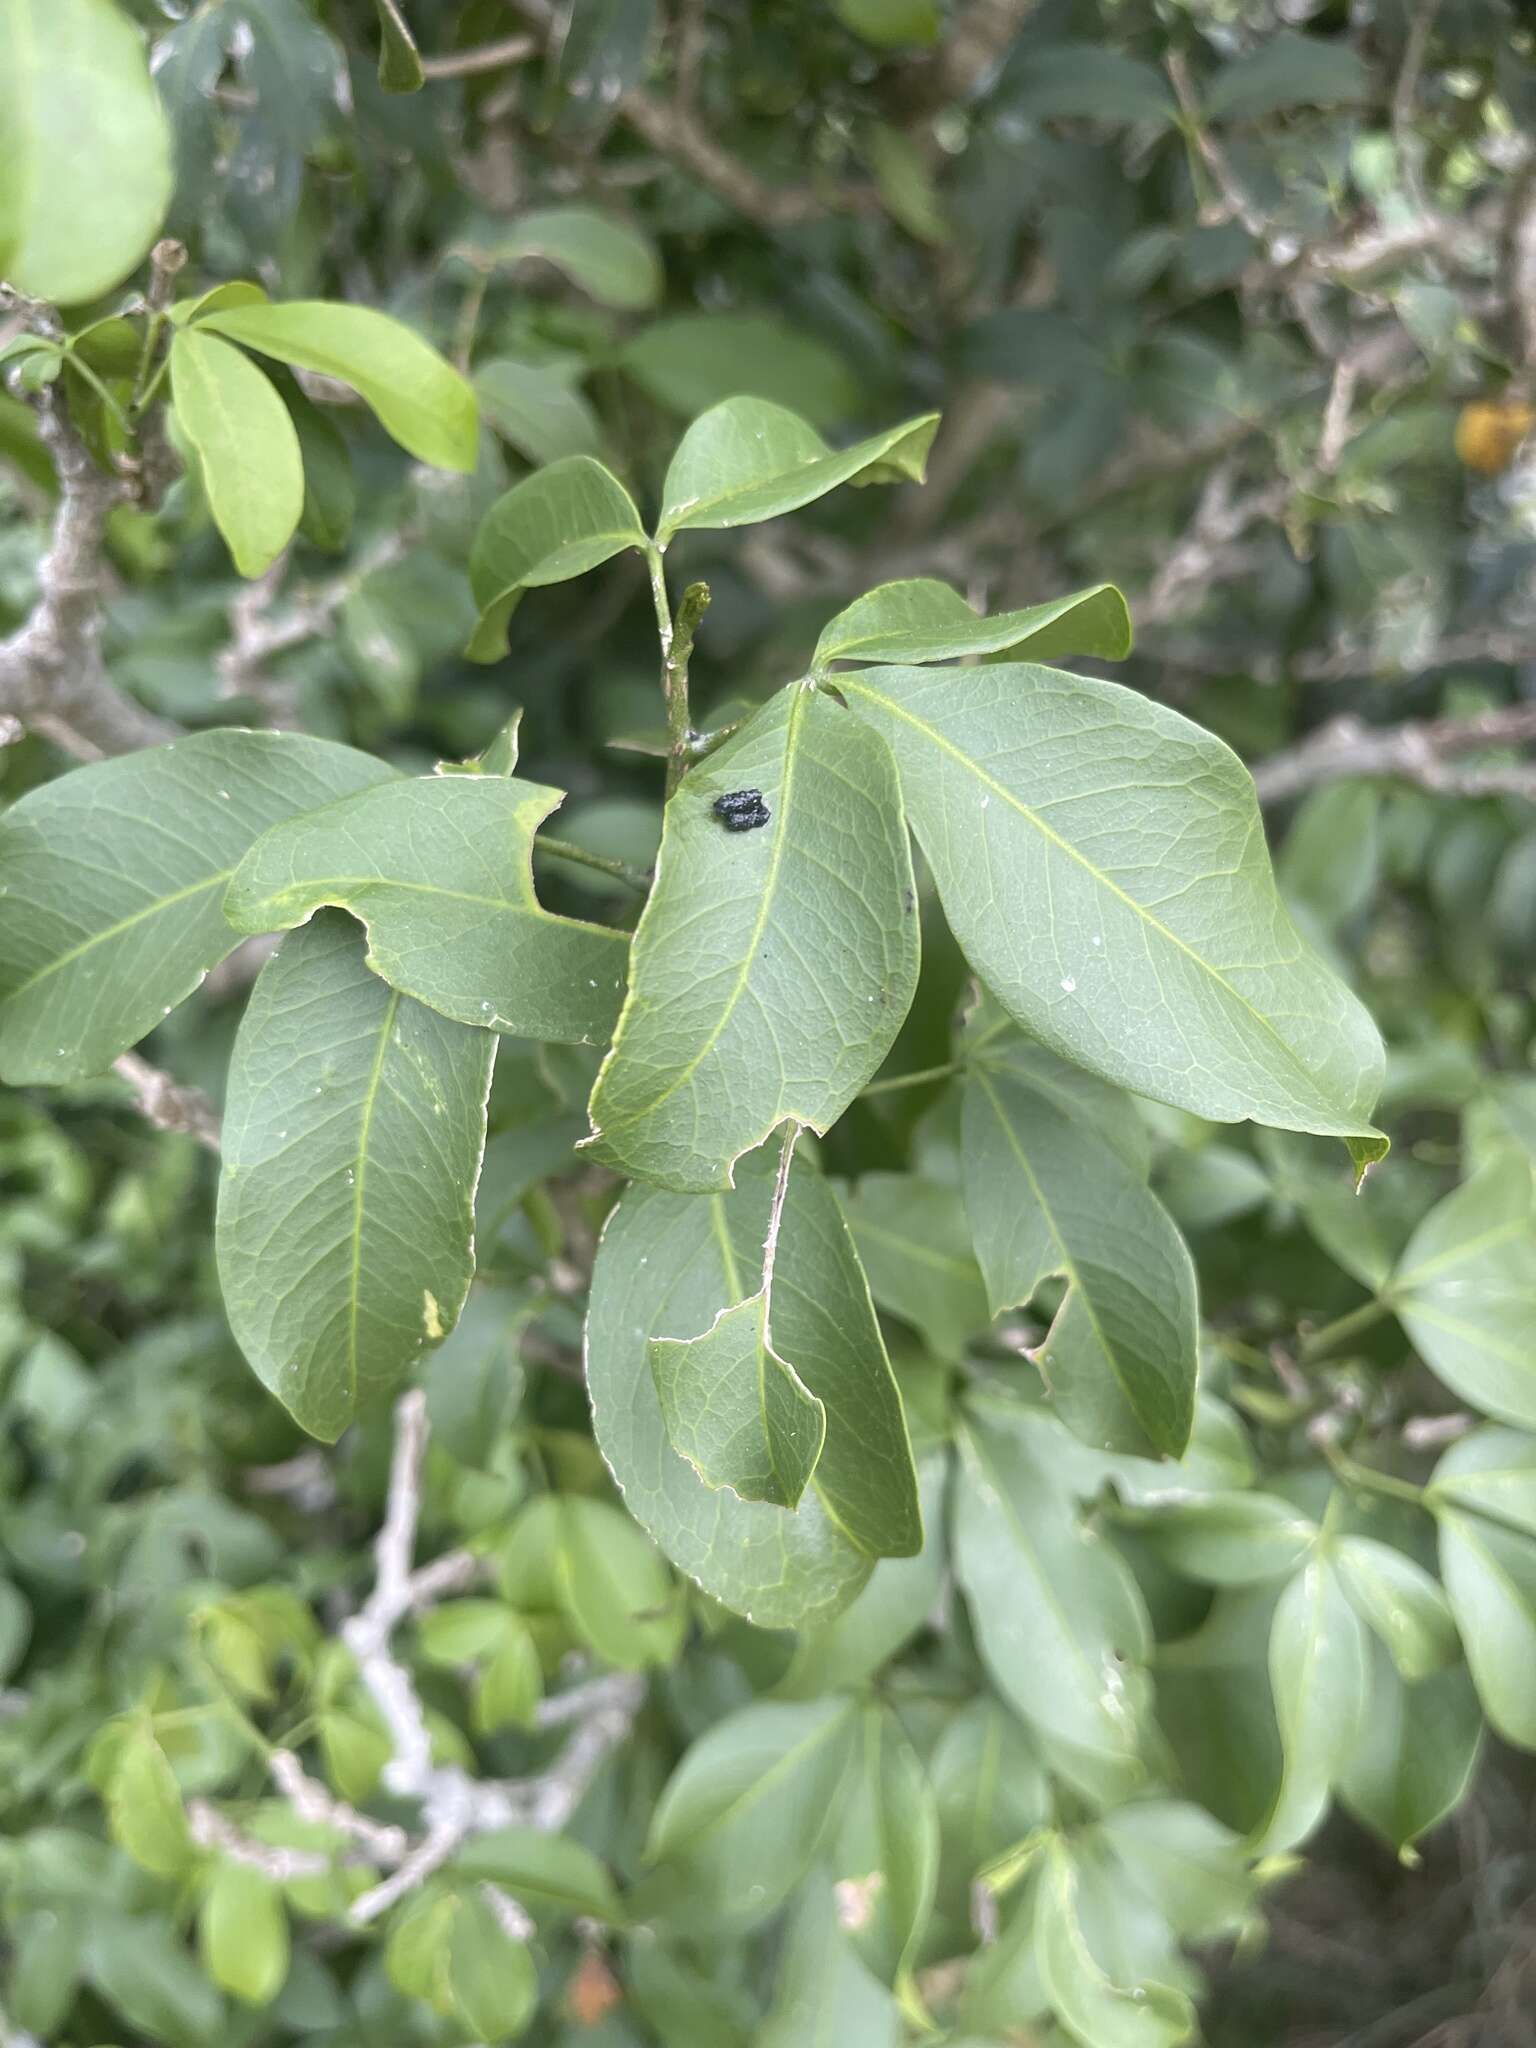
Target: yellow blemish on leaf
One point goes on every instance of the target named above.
(432, 1315)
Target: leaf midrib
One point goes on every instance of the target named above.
(113, 930)
(1104, 881)
(834, 1724)
(365, 1128)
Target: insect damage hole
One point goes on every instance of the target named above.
(742, 810)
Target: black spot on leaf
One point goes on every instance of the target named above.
(742, 810)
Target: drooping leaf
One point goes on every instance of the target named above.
(1058, 1618)
(242, 1933)
(1229, 1539)
(537, 410)
(741, 1818)
(1215, 1706)
(666, 1266)
(246, 443)
(737, 1411)
(113, 885)
(613, 1585)
(1045, 1196)
(85, 149)
(746, 460)
(1167, 962)
(1400, 1603)
(399, 59)
(420, 399)
(1489, 1570)
(606, 258)
(375, 1107)
(555, 524)
(144, 1806)
(440, 871)
(916, 1247)
(989, 1781)
(1318, 1670)
(1465, 1290)
(824, 1996)
(925, 620)
(885, 1853)
(1417, 1751)
(1091, 2007)
(772, 968)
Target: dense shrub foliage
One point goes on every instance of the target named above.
(720, 1321)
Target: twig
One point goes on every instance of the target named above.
(166, 1103)
(1405, 93)
(1421, 753)
(257, 631)
(210, 1829)
(616, 870)
(972, 52)
(1234, 203)
(52, 676)
(452, 1803)
(488, 57)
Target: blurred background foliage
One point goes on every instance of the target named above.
(1233, 304)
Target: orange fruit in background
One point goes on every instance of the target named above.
(1489, 430)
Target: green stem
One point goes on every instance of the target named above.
(1342, 1329)
(676, 638)
(618, 870)
(152, 331)
(916, 1080)
(1351, 1473)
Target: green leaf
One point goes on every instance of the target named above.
(1167, 961)
(747, 460)
(916, 1248)
(1083, 81)
(330, 493)
(114, 877)
(606, 258)
(242, 1933)
(1045, 1196)
(991, 1039)
(771, 969)
(990, 1784)
(668, 1264)
(139, 1966)
(1194, 1870)
(1058, 1618)
(1489, 1572)
(1466, 1289)
(420, 399)
(440, 871)
(488, 1976)
(543, 1871)
(845, 1653)
(144, 1806)
(512, 1683)
(1318, 1670)
(399, 59)
(462, 1631)
(695, 360)
(536, 409)
(824, 1997)
(1492, 1472)
(375, 1107)
(615, 1589)
(890, 24)
(1417, 1752)
(1092, 2009)
(246, 444)
(556, 524)
(1328, 865)
(744, 1814)
(1228, 1539)
(416, 1954)
(924, 620)
(885, 1853)
(739, 1413)
(85, 150)
(1401, 1603)
(1286, 70)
